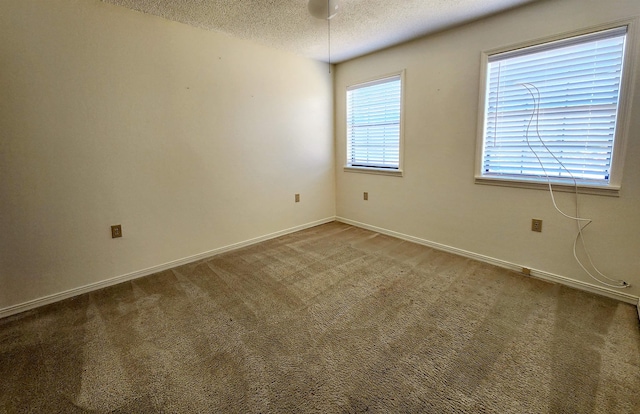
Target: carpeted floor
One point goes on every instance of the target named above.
(330, 319)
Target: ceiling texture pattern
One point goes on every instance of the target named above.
(360, 27)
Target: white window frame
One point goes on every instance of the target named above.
(622, 125)
(398, 172)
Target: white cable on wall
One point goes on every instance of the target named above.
(581, 222)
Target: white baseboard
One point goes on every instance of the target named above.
(621, 296)
(35, 303)
(22, 307)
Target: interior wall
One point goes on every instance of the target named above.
(437, 199)
(190, 139)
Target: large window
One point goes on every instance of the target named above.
(552, 111)
(374, 125)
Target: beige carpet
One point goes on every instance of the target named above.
(330, 319)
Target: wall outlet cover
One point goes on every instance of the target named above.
(116, 231)
(536, 225)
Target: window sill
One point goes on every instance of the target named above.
(611, 191)
(372, 170)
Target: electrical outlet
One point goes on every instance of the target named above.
(536, 225)
(116, 231)
(297, 198)
(366, 195)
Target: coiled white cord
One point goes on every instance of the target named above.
(620, 284)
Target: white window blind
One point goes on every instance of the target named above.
(373, 123)
(578, 80)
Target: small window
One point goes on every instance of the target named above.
(552, 111)
(374, 126)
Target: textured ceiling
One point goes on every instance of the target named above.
(360, 27)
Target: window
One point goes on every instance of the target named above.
(553, 110)
(374, 126)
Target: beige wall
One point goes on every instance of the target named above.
(437, 200)
(190, 139)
